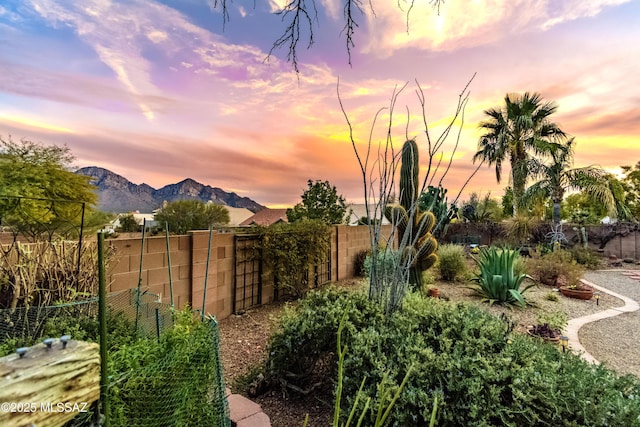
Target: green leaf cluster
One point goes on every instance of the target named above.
(173, 378)
(451, 261)
(291, 250)
(498, 280)
(322, 202)
(39, 195)
(464, 358)
(185, 215)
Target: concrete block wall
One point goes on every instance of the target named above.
(189, 266)
(125, 267)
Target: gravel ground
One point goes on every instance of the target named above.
(614, 341)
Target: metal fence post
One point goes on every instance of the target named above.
(102, 318)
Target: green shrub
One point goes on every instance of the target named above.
(451, 261)
(586, 257)
(460, 356)
(551, 296)
(547, 268)
(388, 262)
(359, 260)
(307, 334)
(290, 250)
(556, 320)
(170, 378)
(498, 280)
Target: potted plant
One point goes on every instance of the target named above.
(577, 290)
(555, 268)
(545, 332)
(433, 292)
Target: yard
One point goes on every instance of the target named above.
(244, 341)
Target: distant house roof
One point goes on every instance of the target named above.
(238, 215)
(266, 217)
(359, 210)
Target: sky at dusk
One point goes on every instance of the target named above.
(158, 91)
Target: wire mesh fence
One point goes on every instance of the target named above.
(164, 365)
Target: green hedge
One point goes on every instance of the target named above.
(462, 355)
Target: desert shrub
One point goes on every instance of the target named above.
(586, 257)
(290, 250)
(499, 281)
(388, 262)
(465, 357)
(556, 319)
(451, 261)
(307, 334)
(551, 296)
(547, 268)
(173, 377)
(359, 260)
(521, 228)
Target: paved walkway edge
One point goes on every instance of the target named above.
(574, 325)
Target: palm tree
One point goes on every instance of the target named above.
(557, 176)
(521, 126)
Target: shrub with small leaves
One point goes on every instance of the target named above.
(464, 358)
(451, 261)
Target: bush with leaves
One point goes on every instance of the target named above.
(552, 265)
(451, 261)
(290, 250)
(388, 262)
(480, 373)
(586, 258)
(170, 378)
(186, 215)
(321, 202)
(307, 334)
(128, 224)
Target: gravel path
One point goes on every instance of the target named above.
(614, 341)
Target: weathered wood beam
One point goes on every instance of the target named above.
(47, 387)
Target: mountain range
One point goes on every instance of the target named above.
(118, 194)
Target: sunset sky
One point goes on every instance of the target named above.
(158, 91)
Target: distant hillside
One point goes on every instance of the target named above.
(118, 194)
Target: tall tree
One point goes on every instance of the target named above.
(185, 215)
(515, 131)
(631, 186)
(320, 201)
(39, 195)
(556, 176)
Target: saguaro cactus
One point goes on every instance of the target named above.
(414, 226)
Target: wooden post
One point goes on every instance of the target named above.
(47, 387)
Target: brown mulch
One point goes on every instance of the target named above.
(244, 340)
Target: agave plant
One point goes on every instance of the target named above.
(498, 281)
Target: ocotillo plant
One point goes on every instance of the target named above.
(414, 226)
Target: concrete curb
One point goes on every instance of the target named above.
(574, 325)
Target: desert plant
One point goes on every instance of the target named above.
(520, 228)
(451, 261)
(586, 257)
(556, 320)
(466, 358)
(387, 262)
(435, 201)
(414, 226)
(497, 281)
(290, 250)
(47, 273)
(359, 260)
(551, 296)
(550, 267)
